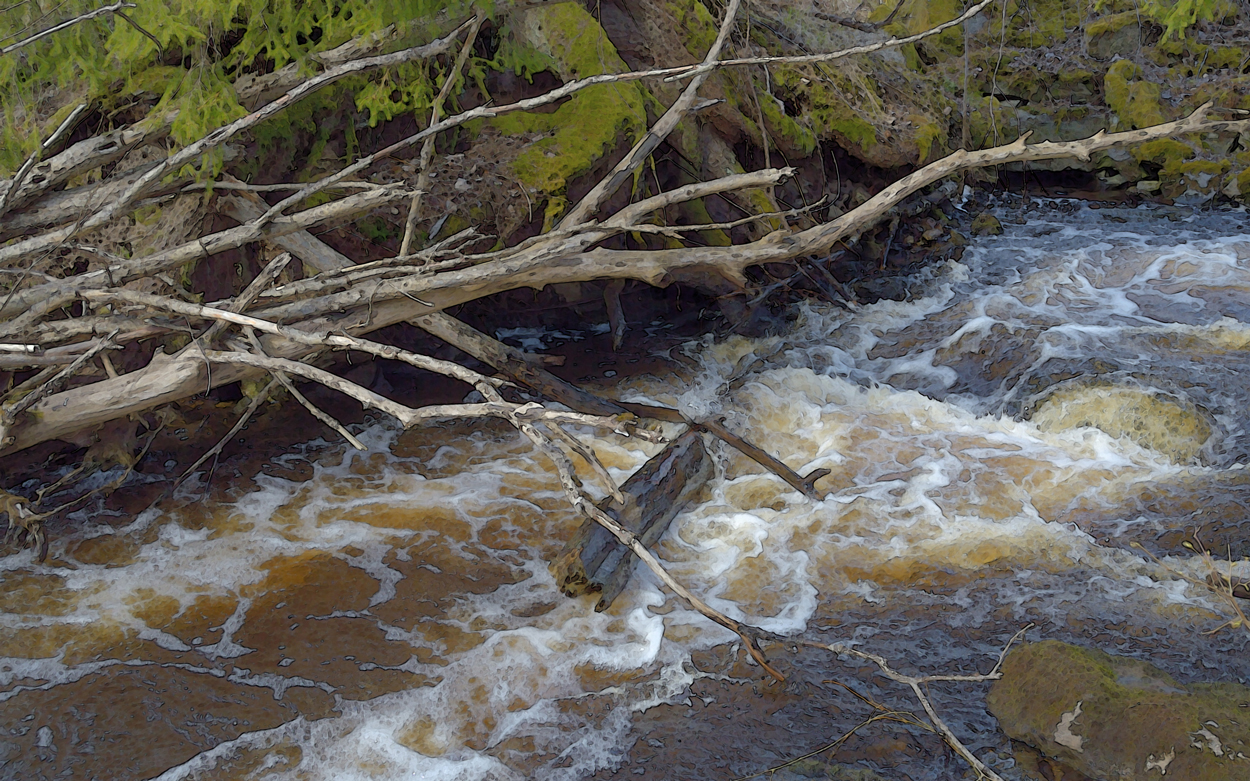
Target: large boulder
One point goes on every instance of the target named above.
(1119, 719)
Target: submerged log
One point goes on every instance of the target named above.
(593, 561)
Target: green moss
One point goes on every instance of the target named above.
(698, 28)
(1110, 24)
(1179, 15)
(990, 123)
(1205, 167)
(831, 108)
(108, 62)
(556, 205)
(1192, 58)
(377, 229)
(1124, 713)
(986, 224)
(1030, 24)
(1167, 152)
(919, 15)
(855, 129)
(1135, 103)
(1075, 76)
(1243, 184)
(784, 129)
(1176, 175)
(594, 121)
(695, 213)
(928, 134)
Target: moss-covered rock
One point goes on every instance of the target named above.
(1136, 102)
(1116, 35)
(593, 122)
(986, 224)
(1121, 719)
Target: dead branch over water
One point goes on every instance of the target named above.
(281, 330)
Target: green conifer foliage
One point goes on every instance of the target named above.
(204, 46)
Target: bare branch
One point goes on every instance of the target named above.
(448, 368)
(588, 455)
(257, 286)
(556, 258)
(7, 201)
(914, 682)
(609, 184)
(26, 402)
(108, 9)
(427, 148)
(308, 405)
(812, 58)
(573, 490)
(24, 300)
(409, 417)
(257, 400)
(219, 136)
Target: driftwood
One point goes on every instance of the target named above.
(564, 256)
(593, 561)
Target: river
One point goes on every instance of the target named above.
(389, 613)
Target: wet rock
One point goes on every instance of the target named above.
(1117, 35)
(814, 768)
(1121, 719)
(1163, 422)
(986, 224)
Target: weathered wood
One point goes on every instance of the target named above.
(244, 207)
(593, 561)
(516, 365)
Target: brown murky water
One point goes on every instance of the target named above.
(995, 444)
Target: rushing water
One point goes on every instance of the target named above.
(389, 613)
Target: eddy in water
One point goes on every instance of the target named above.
(995, 445)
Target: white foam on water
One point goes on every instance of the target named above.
(934, 480)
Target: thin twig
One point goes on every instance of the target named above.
(625, 169)
(750, 635)
(813, 58)
(257, 286)
(427, 148)
(914, 682)
(108, 9)
(448, 368)
(26, 402)
(191, 152)
(130, 463)
(409, 417)
(160, 50)
(588, 455)
(272, 188)
(885, 715)
(675, 231)
(257, 400)
(19, 178)
(684, 71)
(316, 411)
(34, 381)
(1217, 583)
